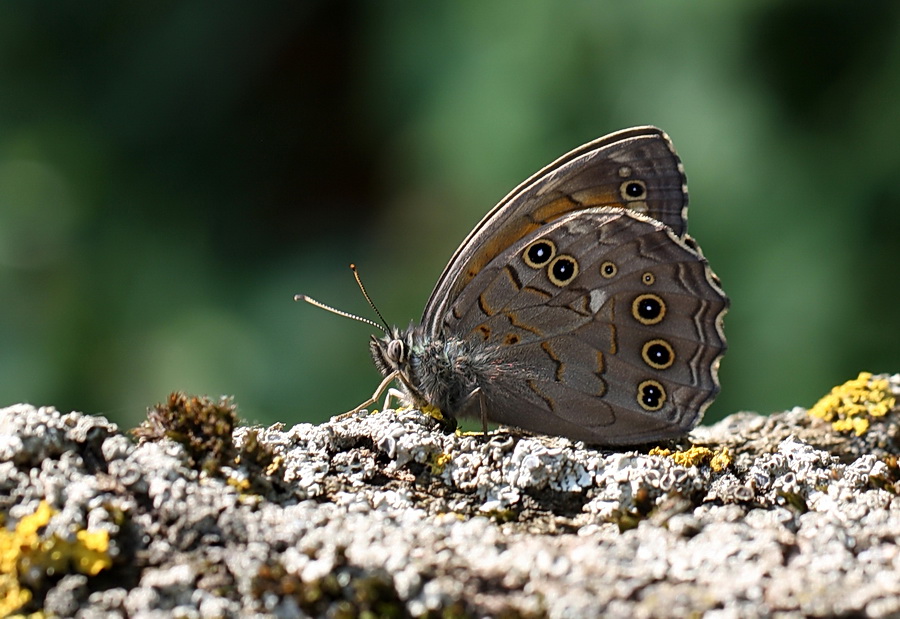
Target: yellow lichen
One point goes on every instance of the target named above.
(91, 552)
(241, 484)
(14, 545)
(721, 460)
(852, 406)
(24, 549)
(438, 462)
(277, 463)
(695, 456)
(432, 411)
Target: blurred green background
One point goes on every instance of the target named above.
(172, 173)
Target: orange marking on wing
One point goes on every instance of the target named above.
(594, 197)
(559, 364)
(555, 209)
(484, 330)
(521, 226)
(514, 231)
(483, 306)
(538, 291)
(513, 277)
(601, 369)
(513, 320)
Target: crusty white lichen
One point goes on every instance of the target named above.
(384, 511)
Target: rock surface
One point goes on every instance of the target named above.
(383, 513)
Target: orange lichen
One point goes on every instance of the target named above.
(851, 407)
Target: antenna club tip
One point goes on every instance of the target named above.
(352, 266)
(299, 297)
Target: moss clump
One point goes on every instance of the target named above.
(852, 407)
(347, 591)
(629, 518)
(28, 558)
(205, 427)
(202, 425)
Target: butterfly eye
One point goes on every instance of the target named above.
(648, 278)
(651, 395)
(562, 270)
(397, 351)
(633, 190)
(539, 253)
(658, 354)
(648, 309)
(608, 269)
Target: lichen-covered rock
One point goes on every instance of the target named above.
(383, 513)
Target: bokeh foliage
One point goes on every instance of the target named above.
(171, 173)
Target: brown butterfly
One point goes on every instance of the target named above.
(578, 306)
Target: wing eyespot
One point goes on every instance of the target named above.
(658, 354)
(562, 270)
(651, 395)
(633, 189)
(539, 253)
(648, 309)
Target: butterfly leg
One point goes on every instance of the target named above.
(477, 395)
(396, 394)
(378, 391)
(481, 406)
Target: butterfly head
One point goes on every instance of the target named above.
(391, 351)
(395, 352)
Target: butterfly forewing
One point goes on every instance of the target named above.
(636, 169)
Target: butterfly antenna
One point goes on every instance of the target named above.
(387, 327)
(334, 310)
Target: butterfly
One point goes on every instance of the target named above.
(578, 307)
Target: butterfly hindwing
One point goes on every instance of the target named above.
(604, 321)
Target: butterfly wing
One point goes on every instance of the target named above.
(636, 168)
(612, 335)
